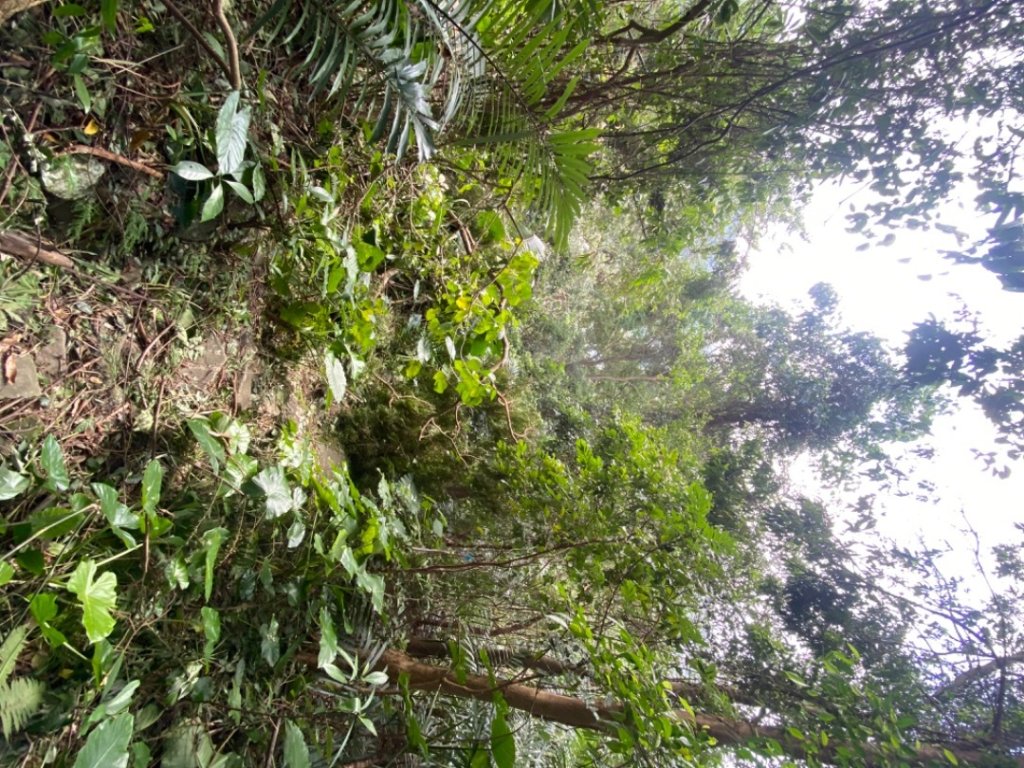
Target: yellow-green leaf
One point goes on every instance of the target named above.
(97, 596)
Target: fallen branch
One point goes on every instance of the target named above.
(16, 244)
(577, 713)
(113, 157)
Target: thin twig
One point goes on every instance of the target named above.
(273, 745)
(210, 50)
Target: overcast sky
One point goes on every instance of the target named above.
(885, 290)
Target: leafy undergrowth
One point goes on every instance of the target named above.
(189, 571)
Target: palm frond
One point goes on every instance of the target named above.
(491, 68)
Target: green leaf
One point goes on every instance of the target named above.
(296, 753)
(232, 134)
(951, 757)
(211, 445)
(335, 376)
(211, 543)
(190, 171)
(503, 743)
(12, 484)
(122, 698)
(270, 647)
(108, 14)
(53, 465)
(116, 513)
(54, 522)
(43, 607)
(107, 746)
(241, 190)
(152, 479)
(214, 204)
(296, 533)
(328, 639)
(82, 92)
(480, 758)
(211, 629)
(6, 572)
(259, 183)
(373, 585)
(98, 597)
(275, 486)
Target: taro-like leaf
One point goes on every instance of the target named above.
(296, 753)
(97, 597)
(107, 746)
(12, 484)
(52, 459)
(274, 485)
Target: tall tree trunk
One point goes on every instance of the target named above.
(576, 713)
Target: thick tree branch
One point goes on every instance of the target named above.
(964, 679)
(648, 36)
(577, 713)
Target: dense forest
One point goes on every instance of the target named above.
(376, 389)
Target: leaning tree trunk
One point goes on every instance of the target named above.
(576, 713)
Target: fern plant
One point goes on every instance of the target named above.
(21, 697)
(487, 73)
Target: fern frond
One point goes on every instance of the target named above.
(19, 700)
(10, 649)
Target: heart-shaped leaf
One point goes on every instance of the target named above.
(98, 597)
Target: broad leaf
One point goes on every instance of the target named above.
(211, 445)
(108, 14)
(98, 597)
(211, 629)
(152, 479)
(296, 533)
(117, 514)
(270, 647)
(191, 171)
(214, 203)
(211, 542)
(232, 134)
(335, 376)
(107, 746)
(12, 484)
(296, 753)
(6, 572)
(503, 743)
(328, 639)
(52, 460)
(274, 485)
(241, 190)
